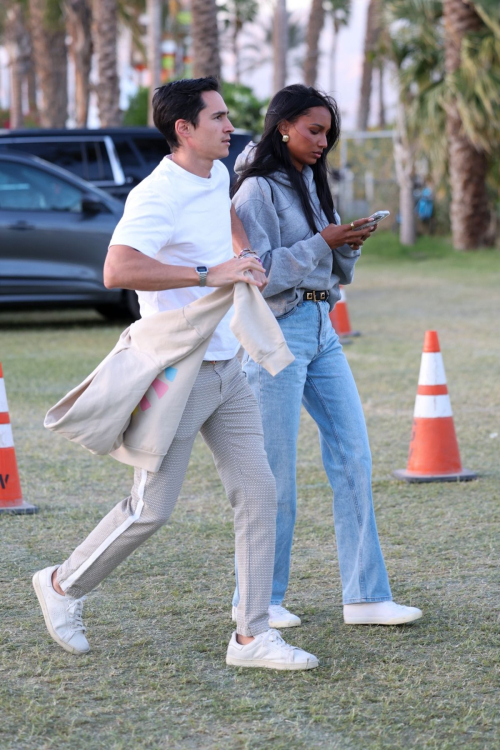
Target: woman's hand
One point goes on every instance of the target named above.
(234, 270)
(336, 235)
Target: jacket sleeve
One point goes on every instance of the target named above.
(286, 267)
(344, 260)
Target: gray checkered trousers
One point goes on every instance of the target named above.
(223, 408)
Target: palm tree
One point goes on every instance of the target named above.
(404, 161)
(381, 102)
(411, 43)
(371, 38)
(18, 46)
(49, 48)
(314, 29)
(468, 163)
(280, 46)
(78, 16)
(452, 107)
(260, 46)
(104, 34)
(235, 14)
(205, 33)
(155, 18)
(339, 12)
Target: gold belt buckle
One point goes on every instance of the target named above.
(320, 297)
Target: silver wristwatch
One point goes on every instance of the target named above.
(202, 273)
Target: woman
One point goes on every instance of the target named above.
(283, 200)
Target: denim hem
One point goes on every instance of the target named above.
(368, 601)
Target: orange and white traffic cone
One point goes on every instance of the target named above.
(434, 454)
(340, 318)
(11, 499)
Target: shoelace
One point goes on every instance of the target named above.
(274, 636)
(75, 609)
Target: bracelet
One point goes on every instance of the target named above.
(247, 252)
(250, 255)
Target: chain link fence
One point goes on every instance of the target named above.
(362, 175)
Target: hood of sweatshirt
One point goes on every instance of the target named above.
(246, 157)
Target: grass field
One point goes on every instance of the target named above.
(159, 625)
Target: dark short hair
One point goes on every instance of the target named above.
(180, 100)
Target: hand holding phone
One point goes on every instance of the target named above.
(374, 220)
(336, 235)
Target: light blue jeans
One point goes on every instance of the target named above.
(321, 379)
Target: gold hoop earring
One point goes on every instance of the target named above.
(285, 138)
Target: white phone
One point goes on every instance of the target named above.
(374, 219)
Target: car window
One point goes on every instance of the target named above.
(23, 187)
(98, 164)
(126, 153)
(152, 150)
(66, 154)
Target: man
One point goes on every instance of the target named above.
(172, 244)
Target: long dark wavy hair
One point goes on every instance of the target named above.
(271, 154)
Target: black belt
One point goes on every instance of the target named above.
(316, 296)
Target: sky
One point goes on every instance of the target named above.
(348, 66)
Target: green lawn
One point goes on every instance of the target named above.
(159, 626)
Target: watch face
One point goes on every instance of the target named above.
(201, 269)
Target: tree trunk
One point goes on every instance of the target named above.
(333, 57)
(280, 44)
(404, 162)
(206, 58)
(469, 213)
(154, 9)
(31, 84)
(78, 23)
(314, 28)
(105, 33)
(236, 50)
(17, 43)
(49, 52)
(381, 103)
(371, 36)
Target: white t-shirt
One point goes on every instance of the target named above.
(181, 219)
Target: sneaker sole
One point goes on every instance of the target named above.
(393, 621)
(39, 593)
(264, 664)
(279, 624)
(284, 624)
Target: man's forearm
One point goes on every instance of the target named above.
(126, 268)
(240, 237)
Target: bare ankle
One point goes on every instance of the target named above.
(244, 640)
(55, 584)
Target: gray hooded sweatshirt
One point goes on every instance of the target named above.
(295, 258)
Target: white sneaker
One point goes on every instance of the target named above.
(279, 617)
(268, 650)
(380, 613)
(62, 614)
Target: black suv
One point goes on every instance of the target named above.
(113, 159)
(55, 230)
